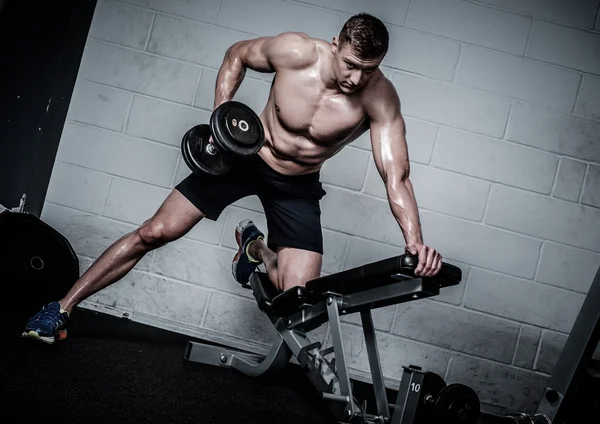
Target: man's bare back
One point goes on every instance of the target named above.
(308, 117)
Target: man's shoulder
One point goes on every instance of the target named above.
(298, 48)
(294, 38)
(381, 92)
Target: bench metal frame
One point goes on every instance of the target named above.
(329, 377)
(575, 356)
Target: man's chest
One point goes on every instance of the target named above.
(304, 107)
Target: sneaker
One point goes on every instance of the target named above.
(48, 324)
(243, 264)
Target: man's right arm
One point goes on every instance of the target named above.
(264, 54)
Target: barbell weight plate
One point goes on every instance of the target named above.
(457, 404)
(237, 129)
(196, 156)
(432, 385)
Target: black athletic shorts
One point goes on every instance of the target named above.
(291, 203)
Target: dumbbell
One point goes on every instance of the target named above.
(455, 404)
(440, 403)
(236, 132)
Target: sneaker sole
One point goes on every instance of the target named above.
(234, 263)
(60, 335)
(240, 229)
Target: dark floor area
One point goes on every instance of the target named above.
(113, 370)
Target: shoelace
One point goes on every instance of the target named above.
(51, 315)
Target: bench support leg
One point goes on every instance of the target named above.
(246, 363)
(375, 364)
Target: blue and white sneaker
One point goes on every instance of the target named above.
(48, 325)
(243, 263)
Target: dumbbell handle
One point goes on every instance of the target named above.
(211, 149)
(429, 400)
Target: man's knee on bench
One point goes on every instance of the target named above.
(295, 267)
(293, 276)
(286, 281)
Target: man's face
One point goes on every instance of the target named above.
(351, 72)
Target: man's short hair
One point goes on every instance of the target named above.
(367, 36)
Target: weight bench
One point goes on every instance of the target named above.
(299, 310)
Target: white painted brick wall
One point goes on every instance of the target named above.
(422, 54)
(567, 267)
(588, 101)
(198, 263)
(334, 247)
(239, 317)
(337, 172)
(554, 43)
(181, 172)
(391, 11)
(495, 160)
(77, 187)
(198, 10)
(361, 252)
(383, 318)
(518, 78)
(481, 245)
(139, 72)
(249, 17)
(457, 324)
(99, 105)
(500, 379)
(112, 152)
(552, 345)
(569, 179)
(554, 131)
(162, 121)
(529, 339)
(591, 190)
(133, 202)
(121, 24)
(502, 111)
(543, 217)
(577, 13)
(354, 213)
(522, 300)
(452, 105)
(480, 25)
(191, 41)
(137, 292)
(395, 352)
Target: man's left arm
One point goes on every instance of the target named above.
(390, 152)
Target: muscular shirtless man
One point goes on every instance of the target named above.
(323, 97)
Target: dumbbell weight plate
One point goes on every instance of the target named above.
(195, 151)
(237, 129)
(457, 404)
(432, 385)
